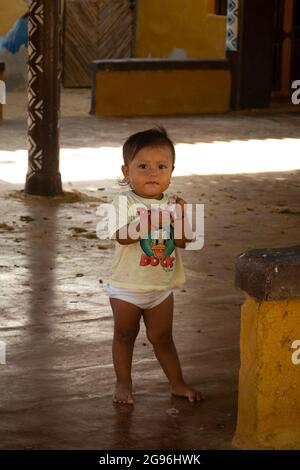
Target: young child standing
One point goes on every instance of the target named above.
(147, 263)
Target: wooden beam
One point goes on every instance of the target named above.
(44, 76)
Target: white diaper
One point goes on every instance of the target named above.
(143, 299)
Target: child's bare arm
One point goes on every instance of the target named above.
(181, 242)
(139, 231)
(186, 230)
(123, 237)
(141, 228)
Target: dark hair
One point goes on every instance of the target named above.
(155, 137)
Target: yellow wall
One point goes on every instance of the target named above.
(10, 11)
(163, 25)
(162, 92)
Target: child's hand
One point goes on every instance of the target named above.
(181, 202)
(163, 219)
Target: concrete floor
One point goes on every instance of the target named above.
(56, 321)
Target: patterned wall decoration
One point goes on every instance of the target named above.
(232, 25)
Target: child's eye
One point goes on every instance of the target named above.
(161, 166)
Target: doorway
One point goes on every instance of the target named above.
(295, 66)
(286, 47)
(95, 29)
(280, 35)
(268, 57)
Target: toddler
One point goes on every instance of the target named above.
(147, 263)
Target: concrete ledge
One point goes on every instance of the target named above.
(269, 274)
(159, 64)
(141, 87)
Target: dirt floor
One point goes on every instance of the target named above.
(56, 321)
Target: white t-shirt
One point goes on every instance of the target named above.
(154, 263)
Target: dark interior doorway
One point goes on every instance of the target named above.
(253, 77)
(295, 66)
(268, 57)
(279, 36)
(286, 51)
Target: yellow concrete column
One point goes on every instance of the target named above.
(269, 380)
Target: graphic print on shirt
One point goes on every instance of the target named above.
(158, 248)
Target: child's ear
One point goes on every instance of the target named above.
(124, 169)
(125, 172)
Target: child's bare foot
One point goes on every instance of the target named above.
(123, 394)
(181, 389)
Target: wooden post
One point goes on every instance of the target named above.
(44, 76)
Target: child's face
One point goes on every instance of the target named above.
(149, 173)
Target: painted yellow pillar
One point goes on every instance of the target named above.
(269, 379)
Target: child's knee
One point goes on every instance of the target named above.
(126, 335)
(158, 338)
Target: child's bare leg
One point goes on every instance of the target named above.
(126, 327)
(158, 321)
